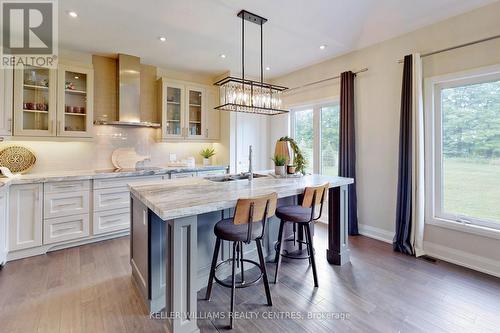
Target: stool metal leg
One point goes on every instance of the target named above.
(278, 250)
(264, 271)
(307, 245)
(233, 284)
(241, 258)
(311, 250)
(212, 269)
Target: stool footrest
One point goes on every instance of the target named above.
(241, 284)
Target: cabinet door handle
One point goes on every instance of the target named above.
(206, 132)
(10, 125)
(59, 126)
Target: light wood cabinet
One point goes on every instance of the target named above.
(25, 216)
(4, 199)
(212, 116)
(187, 111)
(6, 81)
(53, 102)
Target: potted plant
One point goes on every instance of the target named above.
(279, 165)
(207, 153)
(298, 159)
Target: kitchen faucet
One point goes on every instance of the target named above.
(250, 171)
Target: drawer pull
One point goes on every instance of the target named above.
(64, 186)
(62, 230)
(111, 199)
(113, 220)
(65, 205)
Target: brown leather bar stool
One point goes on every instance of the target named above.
(247, 225)
(302, 216)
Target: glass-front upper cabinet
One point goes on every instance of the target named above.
(174, 109)
(6, 80)
(196, 103)
(75, 96)
(183, 107)
(34, 101)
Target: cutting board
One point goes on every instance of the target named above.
(126, 158)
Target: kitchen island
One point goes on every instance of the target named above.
(172, 234)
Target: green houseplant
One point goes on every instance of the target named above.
(207, 153)
(298, 159)
(279, 165)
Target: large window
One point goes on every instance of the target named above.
(316, 130)
(463, 164)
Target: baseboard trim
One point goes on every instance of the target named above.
(43, 249)
(461, 258)
(376, 233)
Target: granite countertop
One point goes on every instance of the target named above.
(58, 176)
(178, 198)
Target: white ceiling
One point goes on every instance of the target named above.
(198, 31)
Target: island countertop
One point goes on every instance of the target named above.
(177, 198)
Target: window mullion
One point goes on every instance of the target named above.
(317, 139)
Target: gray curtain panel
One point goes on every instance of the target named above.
(347, 146)
(402, 238)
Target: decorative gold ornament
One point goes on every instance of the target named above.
(17, 158)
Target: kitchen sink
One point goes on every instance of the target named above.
(230, 178)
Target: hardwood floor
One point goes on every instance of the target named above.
(89, 289)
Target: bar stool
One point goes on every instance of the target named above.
(302, 216)
(247, 225)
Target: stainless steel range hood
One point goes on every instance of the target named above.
(129, 94)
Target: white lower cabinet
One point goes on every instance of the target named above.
(111, 220)
(4, 199)
(111, 201)
(25, 216)
(35, 218)
(111, 198)
(65, 203)
(65, 228)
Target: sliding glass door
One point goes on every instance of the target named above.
(316, 130)
(304, 135)
(329, 140)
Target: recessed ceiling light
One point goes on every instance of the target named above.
(162, 38)
(77, 77)
(322, 47)
(72, 14)
(268, 68)
(223, 56)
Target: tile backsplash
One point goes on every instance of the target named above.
(96, 154)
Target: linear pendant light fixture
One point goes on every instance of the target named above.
(243, 95)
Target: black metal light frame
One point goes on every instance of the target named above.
(259, 20)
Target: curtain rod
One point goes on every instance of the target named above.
(455, 47)
(324, 80)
